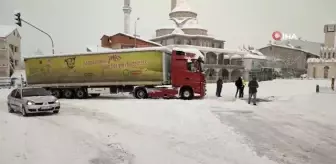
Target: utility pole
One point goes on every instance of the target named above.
(135, 32)
(19, 23)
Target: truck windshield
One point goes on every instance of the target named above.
(30, 92)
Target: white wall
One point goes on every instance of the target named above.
(319, 67)
(14, 39)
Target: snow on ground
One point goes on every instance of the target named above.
(294, 127)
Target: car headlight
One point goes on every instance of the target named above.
(57, 101)
(30, 103)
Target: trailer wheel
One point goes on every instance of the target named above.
(186, 93)
(57, 93)
(80, 93)
(68, 94)
(140, 93)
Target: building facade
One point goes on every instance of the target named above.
(10, 50)
(122, 40)
(185, 31)
(291, 60)
(325, 66)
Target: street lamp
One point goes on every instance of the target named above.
(135, 32)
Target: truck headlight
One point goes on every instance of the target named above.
(30, 103)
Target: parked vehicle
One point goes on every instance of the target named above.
(155, 72)
(32, 100)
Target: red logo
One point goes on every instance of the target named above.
(277, 35)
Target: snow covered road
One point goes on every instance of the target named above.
(293, 128)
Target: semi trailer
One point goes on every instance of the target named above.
(152, 72)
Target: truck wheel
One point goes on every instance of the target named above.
(81, 94)
(186, 94)
(57, 93)
(140, 93)
(68, 94)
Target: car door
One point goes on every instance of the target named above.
(11, 99)
(17, 100)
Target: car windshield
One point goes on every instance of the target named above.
(34, 92)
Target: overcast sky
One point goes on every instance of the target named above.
(74, 24)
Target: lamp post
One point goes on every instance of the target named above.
(135, 32)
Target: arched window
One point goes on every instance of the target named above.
(178, 41)
(326, 72)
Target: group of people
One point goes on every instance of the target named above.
(240, 85)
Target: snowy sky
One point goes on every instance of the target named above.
(75, 24)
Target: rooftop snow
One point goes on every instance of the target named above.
(318, 60)
(5, 30)
(97, 49)
(140, 39)
(106, 51)
(293, 48)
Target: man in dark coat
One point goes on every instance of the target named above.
(253, 85)
(239, 85)
(219, 87)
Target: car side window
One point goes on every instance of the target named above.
(13, 93)
(17, 94)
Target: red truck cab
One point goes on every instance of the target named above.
(186, 74)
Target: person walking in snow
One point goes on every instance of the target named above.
(219, 87)
(253, 85)
(242, 89)
(239, 85)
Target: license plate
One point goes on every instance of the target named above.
(45, 107)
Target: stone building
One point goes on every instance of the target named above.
(291, 55)
(122, 40)
(10, 50)
(185, 31)
(325, 66)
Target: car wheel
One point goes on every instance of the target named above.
(10, 110)
(23, 112)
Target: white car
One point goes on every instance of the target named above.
(32, 100)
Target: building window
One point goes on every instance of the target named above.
(326, 72)
(189, 42)
(329, 55)
(213, 45)
(16, 62)
(16, 49)
(333, 54)
(178, 41)
(325, 55)
(11, 47)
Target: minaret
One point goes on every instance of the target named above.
(127, 14)
(173, 4)
(330, 35)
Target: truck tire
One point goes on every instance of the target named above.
(68, 94)
(186, 94)
(57, 93)
(140, 93)
(80, 93)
